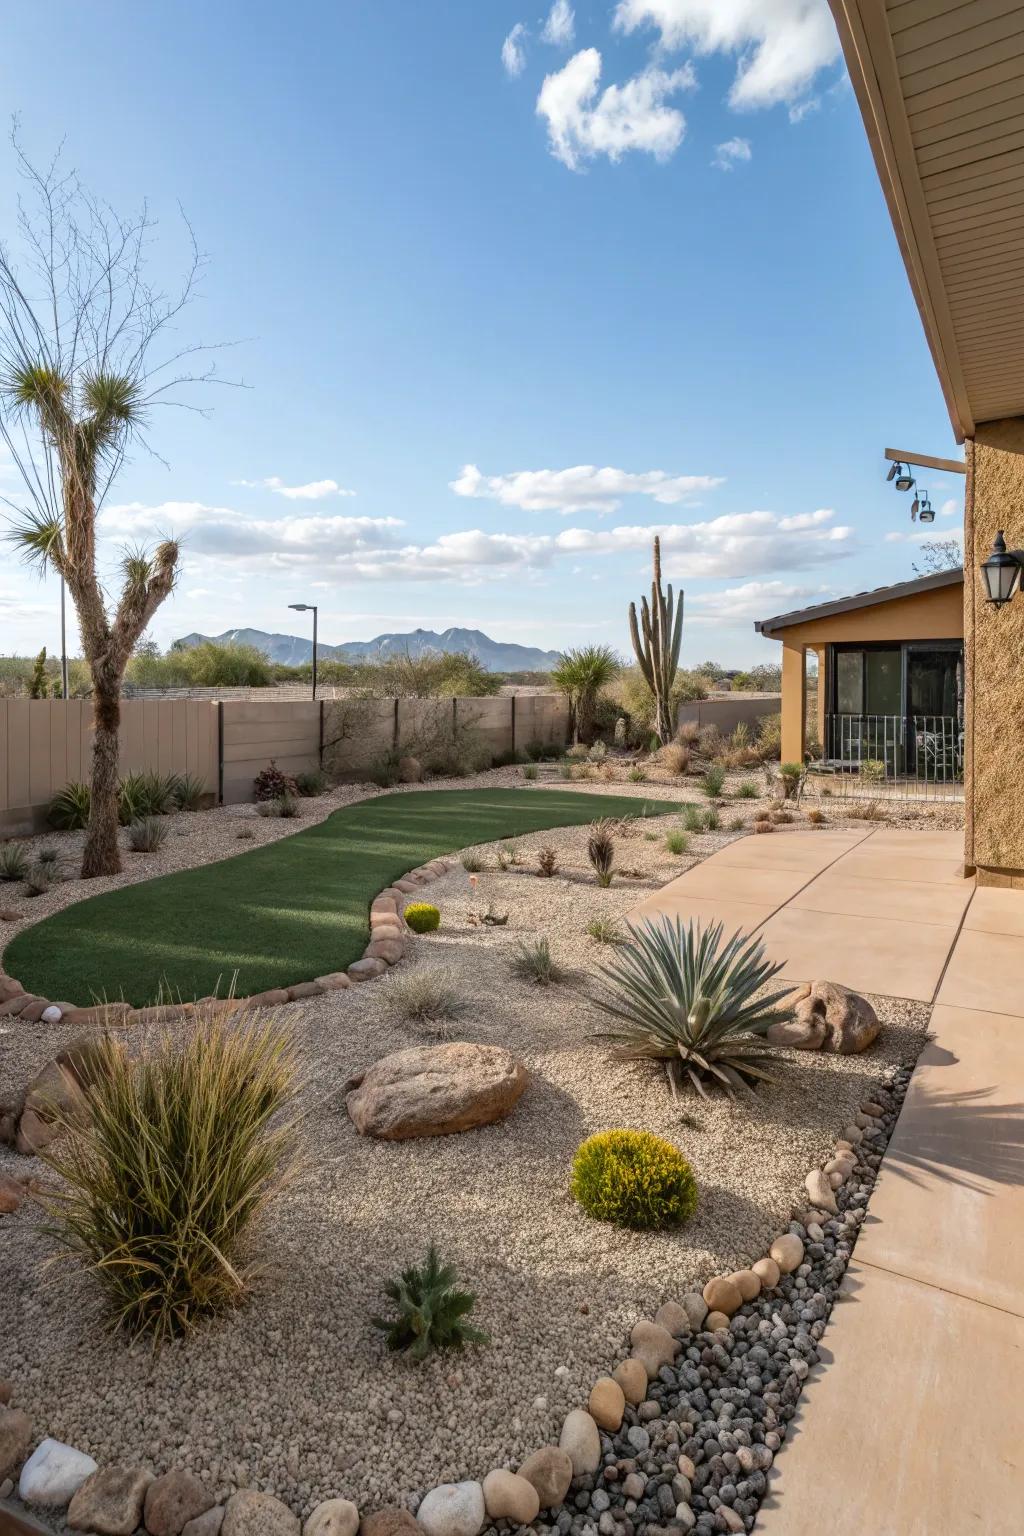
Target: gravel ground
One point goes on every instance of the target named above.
(295, 1394)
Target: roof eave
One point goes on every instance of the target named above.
(770, 627)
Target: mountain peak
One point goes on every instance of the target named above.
(293, 650)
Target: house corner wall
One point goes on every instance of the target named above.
(994, 670)
(794, 703)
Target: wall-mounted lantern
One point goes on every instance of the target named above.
(1001, 571)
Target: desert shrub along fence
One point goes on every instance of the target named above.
(46, 743)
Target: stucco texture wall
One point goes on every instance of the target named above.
(995, 655)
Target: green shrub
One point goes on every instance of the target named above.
(473, 863)
(421, 917)
(384, 772)
(794, 774)
(424, 994)
(270, 783)
(601, 851)
(636, 774)
(598, 752)
(677, 842)
(736, 824)
(693, 1002)
(693, 818)
(634, 1179)
(13, 861)
(39, 879)
(48, 857)
(713, 780)
(712, 820)
(565, 768)
(747, 790)
(282, 806)
(769, 736)
(431, 1312)
(147, 835)
(68, 811)
(508, 855)
(311, 783)
(535, 962)
(530, 771)
(605, 930)
(189, 792)
(184, 1147)
(872, 770)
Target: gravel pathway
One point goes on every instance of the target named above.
(295, 1394)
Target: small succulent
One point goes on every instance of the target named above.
(431, 1313)
(601, 851)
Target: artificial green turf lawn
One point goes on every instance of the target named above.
(289, 912)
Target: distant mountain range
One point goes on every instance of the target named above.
(293, 650)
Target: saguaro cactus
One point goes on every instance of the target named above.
(656, 639)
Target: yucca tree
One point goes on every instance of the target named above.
(581, 674)
(78, 380)
(685, 998)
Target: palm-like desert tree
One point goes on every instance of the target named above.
(581, 674)
(78, 381)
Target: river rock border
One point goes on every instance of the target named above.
(679, 1438)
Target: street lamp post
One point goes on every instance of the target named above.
(63, 645)
(309, 608)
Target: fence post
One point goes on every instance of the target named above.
(512, 704)
(220, 752)
(320, 753)
(395, 733)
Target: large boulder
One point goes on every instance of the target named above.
(435, 1091)
(827, 1017)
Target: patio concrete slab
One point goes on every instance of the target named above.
(922, 844)
(985, 972)
(781, 850)
(915, 1427)
(742, 916)
(996, 910)
(890, 864)
(948, 1208)
(742, 882)
(910, 901)
(899, 959)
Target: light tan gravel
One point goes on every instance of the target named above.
(295, 1394)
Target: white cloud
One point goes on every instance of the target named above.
(737, 544)
(633, 116)
(801, 109)
(584, 488)
(950, 508)
(733, 152)
(513, 51)
(923, 535)
(313, 490)
(781, 44)
(752, 600)
(221, 532)
(560, 27)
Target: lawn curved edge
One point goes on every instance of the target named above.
(283, 921)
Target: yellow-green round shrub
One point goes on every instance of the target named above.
(422, 917)
(634, 1179)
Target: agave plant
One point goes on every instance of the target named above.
(687, 998)
(431, 1312)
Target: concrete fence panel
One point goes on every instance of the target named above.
(253, 734)
(728, 713)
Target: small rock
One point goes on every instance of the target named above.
(53, 1474)
(11, 1195)
(674, 1318)
(853, 1135)
(334, 1517)
(819, 1191)
(631, 1376)
(52, 1015)
(550, 1472)
(634, 1485)
(685, 1517)
(15, 1439)
(607, 1403)
(767, 1271)
(687, 1467)
(258, 1514)
(110, 1501)
(723, 1295)
(715, 1321)
(731, 1521)
(869, 1107)
(653, 1345)
(390, 1521)
(696, 1309)
(174, 1499)
(508, 1496)
(6, 1392)
(206, 1524)
(453, 1509)
(788, 1252)
(747, 1282)
(581, 1442)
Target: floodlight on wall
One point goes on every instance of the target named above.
(1001, 572)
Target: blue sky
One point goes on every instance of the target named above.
(459, 270)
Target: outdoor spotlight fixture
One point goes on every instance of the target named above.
(904, 479)
(926, 511)
(1001, 572)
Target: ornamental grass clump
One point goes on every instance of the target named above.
(634, 1179)
(147, 835)
(535, 962)
(421, 917)
(13, 861)
(432, 1313)
(68, 811)
(423, 996)
(601, 851)
(690, 999)
(182, 1150)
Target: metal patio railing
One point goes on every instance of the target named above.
(893, 756)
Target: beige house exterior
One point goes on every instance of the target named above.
(941, 90)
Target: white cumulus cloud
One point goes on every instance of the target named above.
(732, 153)
(560, 27)
(584, 488)
(752, 600)
(513, 51)
(583, 124)
(313, 490)
(781, 44)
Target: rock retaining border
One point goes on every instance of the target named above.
(678, 1439)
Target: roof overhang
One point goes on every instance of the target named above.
(872, 599)
(941, 91)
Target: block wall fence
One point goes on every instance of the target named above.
(45, 743)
